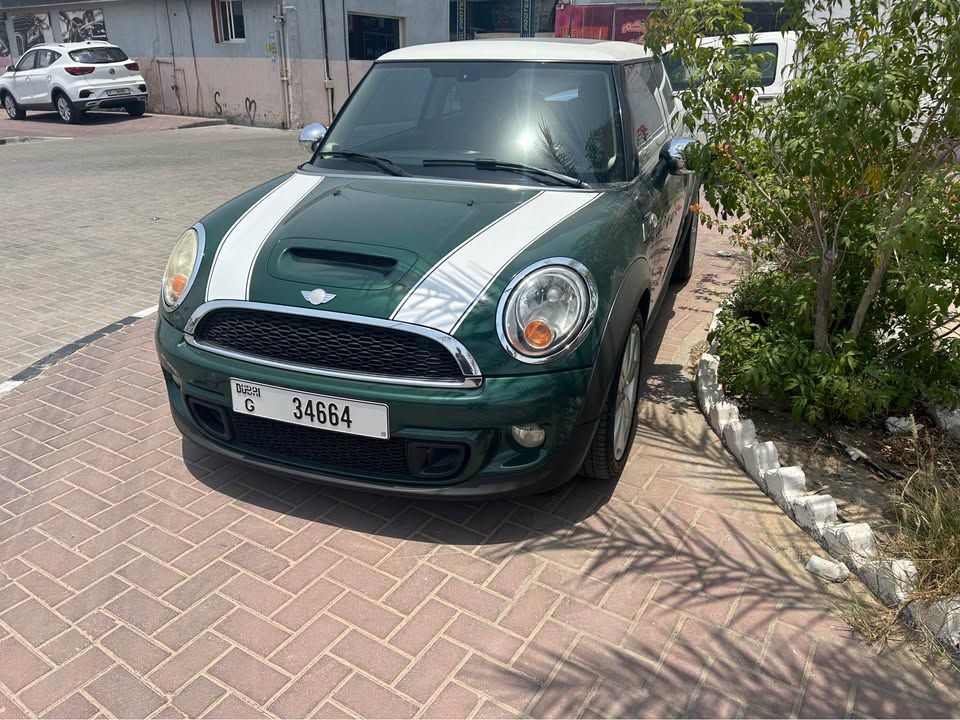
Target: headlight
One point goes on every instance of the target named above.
(180, 268)
(546, 310)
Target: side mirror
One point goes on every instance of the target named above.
(311, 136)
(11, 68)
(676, 149)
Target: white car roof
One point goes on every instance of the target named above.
(533, 49)
(67, 47)
(755, 38)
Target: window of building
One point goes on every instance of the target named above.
(228, 23)
(372, 35)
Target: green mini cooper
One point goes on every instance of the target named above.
(450, 297)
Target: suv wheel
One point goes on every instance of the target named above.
(67, 110)
(137, 109)
(13, 110)
(611, 444)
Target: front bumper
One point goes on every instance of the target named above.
(478, 420)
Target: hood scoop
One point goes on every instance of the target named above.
(336, 264)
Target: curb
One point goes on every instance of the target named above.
(35, 368)
(892, 580)
(200, 124)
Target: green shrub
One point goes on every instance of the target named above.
(766, 348)
(848, 185)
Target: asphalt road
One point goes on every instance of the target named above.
(87, 223)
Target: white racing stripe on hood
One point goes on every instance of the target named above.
(450, 289)
(238, 251)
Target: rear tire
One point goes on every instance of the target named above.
(137, 109)
(14, 111)
(611, 444)
(684, 267)
(67, 110)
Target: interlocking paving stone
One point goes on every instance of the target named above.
(143, 575)
(62, 282)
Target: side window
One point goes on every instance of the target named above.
(768, 62)
(669, 103)
(27, 61)
(648, 130)
(45, 58)
(765, 55)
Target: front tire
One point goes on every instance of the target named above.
(67, 110)
(137, 109)
(613, 439)
(14, 111)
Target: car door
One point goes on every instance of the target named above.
(22, 86)
(42, 81)
(655, 190)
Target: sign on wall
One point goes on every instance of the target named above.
(80, 25)
(604, 21)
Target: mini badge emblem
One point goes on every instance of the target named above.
(318, 296)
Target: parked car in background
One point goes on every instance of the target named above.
(72, 78)
(777, 51)
(450, 298)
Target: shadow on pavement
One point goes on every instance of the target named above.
(711, 594)
(102, 117)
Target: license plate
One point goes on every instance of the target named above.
(324, 412)
(119, 91)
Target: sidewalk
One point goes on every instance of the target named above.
(144, 577)
(102, 123)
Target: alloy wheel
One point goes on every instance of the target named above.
(10, 106)
(63, 107)
(628, 386)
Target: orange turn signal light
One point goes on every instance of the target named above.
(538, 334)
(177, 284)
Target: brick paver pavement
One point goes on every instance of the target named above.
(86, 225)
(142, 576)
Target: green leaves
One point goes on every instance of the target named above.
(852, 169)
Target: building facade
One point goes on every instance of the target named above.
(277, 63)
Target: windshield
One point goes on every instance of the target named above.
(560, 117)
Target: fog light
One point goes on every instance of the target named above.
(529, 436)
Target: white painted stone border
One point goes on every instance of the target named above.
(891, 580)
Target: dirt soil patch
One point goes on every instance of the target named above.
(863, 466)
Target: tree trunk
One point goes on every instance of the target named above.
(873, 287)
(821, 310)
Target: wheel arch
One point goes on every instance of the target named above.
(634, 293)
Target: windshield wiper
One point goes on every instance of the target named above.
(383, 163)
(491, 164)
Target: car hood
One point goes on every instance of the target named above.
(413, 250)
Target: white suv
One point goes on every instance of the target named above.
(72, 78)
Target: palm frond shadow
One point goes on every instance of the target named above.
(646, 534)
